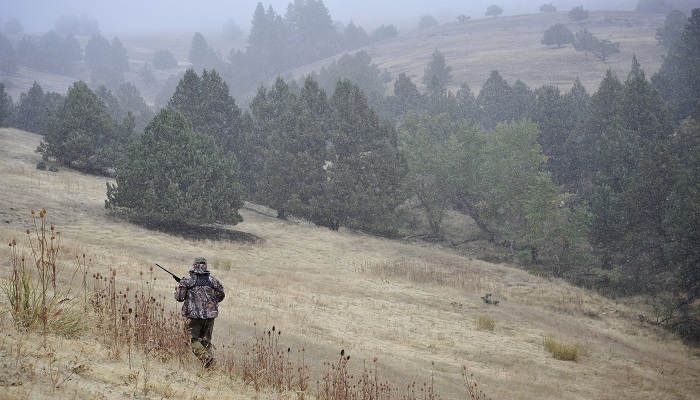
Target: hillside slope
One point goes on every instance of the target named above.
(510, 45)
(412, 306)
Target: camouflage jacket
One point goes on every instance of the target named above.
(200, 293)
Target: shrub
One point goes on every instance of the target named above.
(485, 323)
(560, 350)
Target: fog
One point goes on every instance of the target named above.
(149, 16)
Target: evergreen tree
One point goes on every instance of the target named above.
(311, 32)
(437, 74)
(30, 109)
(8, 56)
(130, 100)
(406, 97)
(367, 173)
(355, 37)
(682, 228)
(6, 106)
(494, 101)
(164, 59)
(678, 80)
(553, 115)
(673, 27)
(174, 176)
(206, 102)
(293, 172)
(466, 104)
(202, 55)
(80, 133)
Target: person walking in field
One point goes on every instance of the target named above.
(200, 293)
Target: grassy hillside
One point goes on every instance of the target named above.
(511, 45)
(416, 308)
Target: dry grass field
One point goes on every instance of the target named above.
(415, 308)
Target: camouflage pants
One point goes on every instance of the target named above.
(200, 331)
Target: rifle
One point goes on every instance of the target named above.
(173, 275)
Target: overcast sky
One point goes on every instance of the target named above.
(125, 16)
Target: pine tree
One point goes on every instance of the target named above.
(678, 80)
(494, 101)
(80, 133)
(30, 109)
(366, 174)
(173, 176)
(5, 106)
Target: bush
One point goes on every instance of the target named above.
(560, 350)
(163, 59)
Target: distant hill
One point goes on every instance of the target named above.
(511, 45)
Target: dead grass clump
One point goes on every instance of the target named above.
(485, 323)
(475, 393)
(561, 350)
(36, 300)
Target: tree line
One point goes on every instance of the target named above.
(601, 189)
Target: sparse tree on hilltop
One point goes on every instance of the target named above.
(427, 21)
(578, 14)
(558, 34)
(494, 10)
(548, 8)
(587, 42)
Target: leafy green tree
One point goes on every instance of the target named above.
(518, 199)
(206, 102)
(427, 21)
(558, 34)
(174, 176)
(548, 8)
(384, 32)
(577, 14)
(673, 27)
(366, 173)
(8, 56)
(80, 133)
(164, 59)
(494, 10)
(6, 106)
(678, 80)
(425, 145)
(587, 42)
